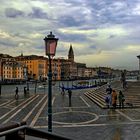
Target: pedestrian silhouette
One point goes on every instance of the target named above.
(25, 91)
(16, 93)
(109, 96)
(121, 99)
(63, 89)
(114, 99)
(95, 83)
(123, 79)
(69, 94)
(107, 100)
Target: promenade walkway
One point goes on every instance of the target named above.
(84, 120)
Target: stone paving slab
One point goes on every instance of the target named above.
(103, 132)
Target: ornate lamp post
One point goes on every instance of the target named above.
(50, 46)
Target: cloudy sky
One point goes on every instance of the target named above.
(102, 32)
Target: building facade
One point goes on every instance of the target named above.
(56, 69)
(68, 66)
(36, 66)
(12, 70)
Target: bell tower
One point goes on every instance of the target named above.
(71, 54)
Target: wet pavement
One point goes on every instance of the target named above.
(84, 120)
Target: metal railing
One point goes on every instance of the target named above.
(18, 131)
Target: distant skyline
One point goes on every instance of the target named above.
(102, 32)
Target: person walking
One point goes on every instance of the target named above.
(123, 79)
(109, 95)
(107, 100)
(25, 91)
(63, 89)
(16, 93)
(69, 94)
(109, 89)
(121, 99)
(114, 99)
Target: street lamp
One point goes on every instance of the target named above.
(50, 46)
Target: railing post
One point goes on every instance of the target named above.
(19, 135)
(16, 135)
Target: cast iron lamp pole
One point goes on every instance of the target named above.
(50, 45)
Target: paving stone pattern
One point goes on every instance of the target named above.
(86, 119)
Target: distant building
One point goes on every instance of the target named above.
(65, 69)
(36, 66)
(12, 70)
(9, 68)
(132, 73)
(96, 72)
(88, 72)
(56, 69)
(116, 73)
(72, 72)
(81, 70)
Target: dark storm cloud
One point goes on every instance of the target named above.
(6, 43)
(72, 37)
(70, 21)
(111, 36)
(112, 12)
(75, 2)
(38, 13)
(62, 50)
(13, 13)
(93, 47)
(87, 51)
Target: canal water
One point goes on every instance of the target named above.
(41, 87)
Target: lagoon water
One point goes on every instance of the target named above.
(40, 88)
(43, 87)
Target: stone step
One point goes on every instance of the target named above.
(101, 98)
(95, 100)
(100, 95)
